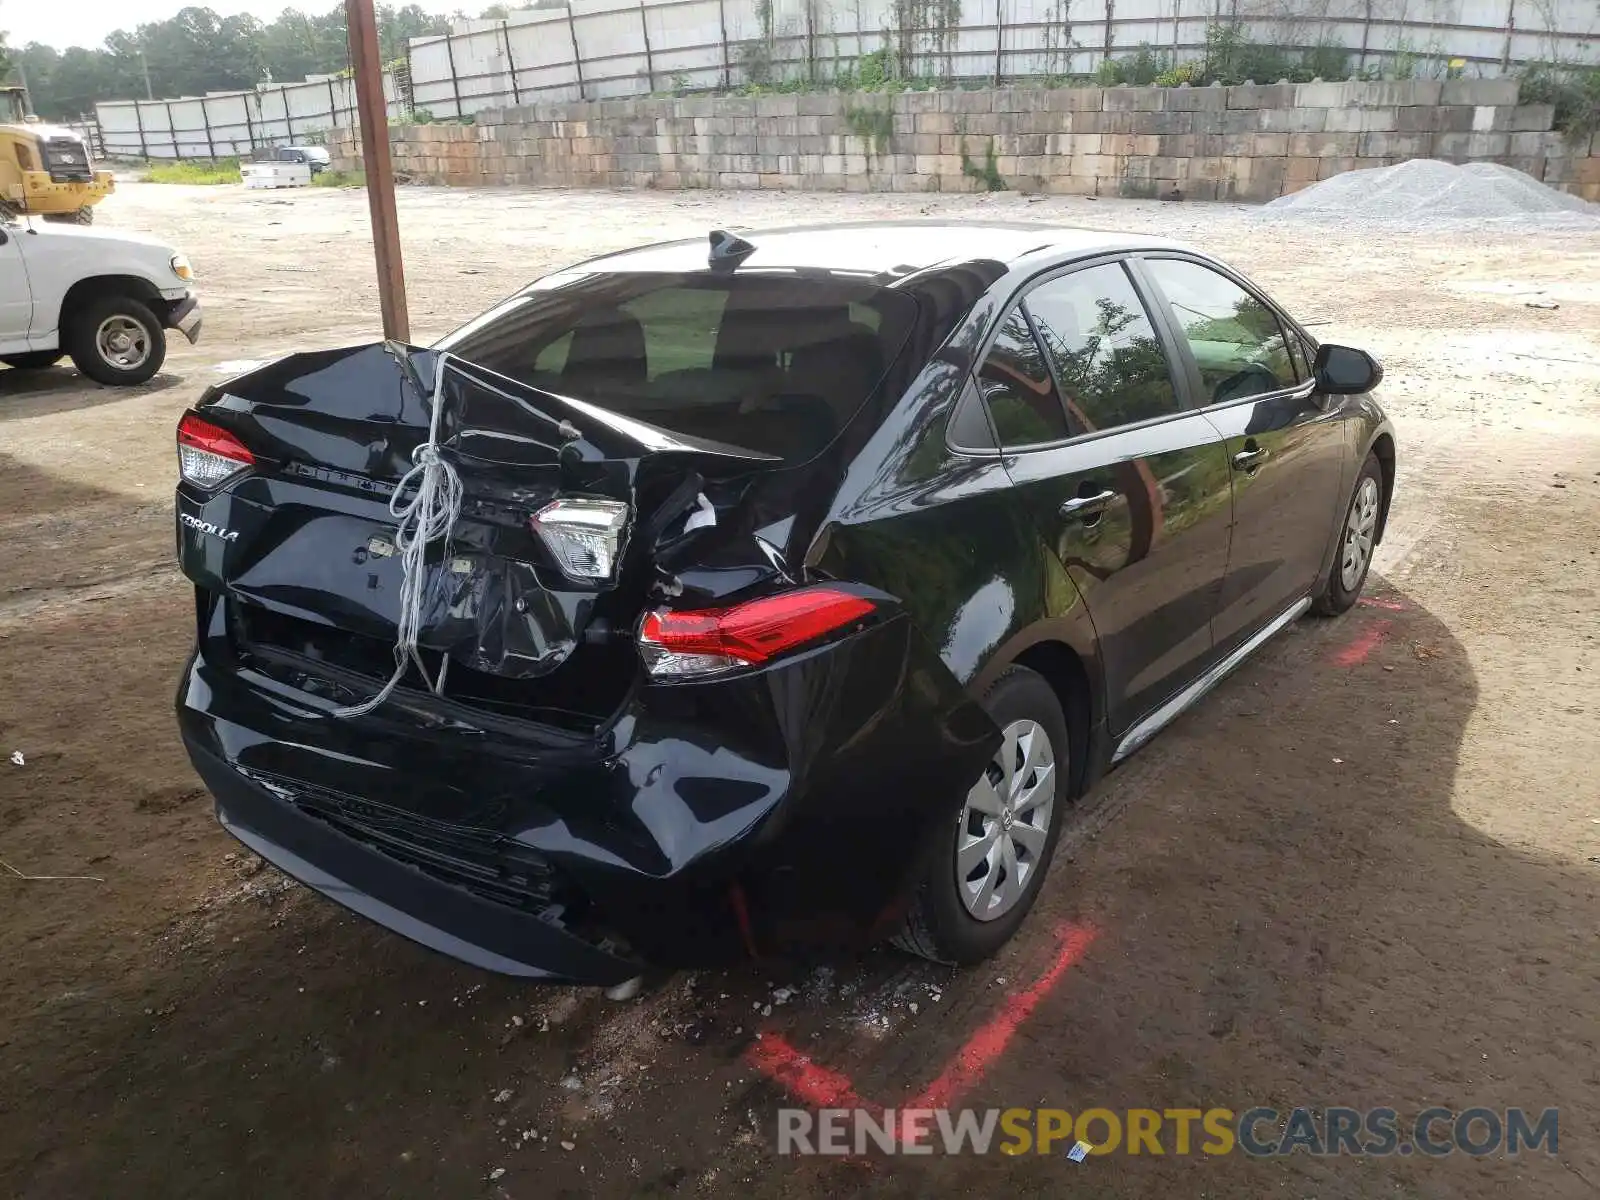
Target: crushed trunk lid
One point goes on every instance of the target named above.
(333, 432)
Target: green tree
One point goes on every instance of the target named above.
(199, 51)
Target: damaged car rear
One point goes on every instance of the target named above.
(681, 607)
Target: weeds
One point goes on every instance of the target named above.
(1139, 69)
(223, 170)
(872, 125)
(1574, 91)
(988, 174)
(1230, 58)
(339, 179)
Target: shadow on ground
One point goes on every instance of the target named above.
(61, 389)
(1290, 913)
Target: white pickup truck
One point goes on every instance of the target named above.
(104, 297)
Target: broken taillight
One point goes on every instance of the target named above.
(698, 642)
(584, 535)
(209, 454)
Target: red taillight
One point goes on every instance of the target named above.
(207, 453)
(713, 639)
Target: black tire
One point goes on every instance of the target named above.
(1338, 593)
(33, 360)
(82, 216)
(939, 925)
(82, 340)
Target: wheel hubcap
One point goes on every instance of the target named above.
(1001, 839)
(1359, 531)
(123, 342)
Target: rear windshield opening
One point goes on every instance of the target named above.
(776, 363)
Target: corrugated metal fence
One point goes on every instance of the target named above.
(226, 124)
(595, 49)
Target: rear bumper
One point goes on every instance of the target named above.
(434, 914)
(781, 808)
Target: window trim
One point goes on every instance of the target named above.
(1302, 390)
(1182, 386)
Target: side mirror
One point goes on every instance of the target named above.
(1345, 371)
(4, 237)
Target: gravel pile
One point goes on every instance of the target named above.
(1427, 194)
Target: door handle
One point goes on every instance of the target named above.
(1087, 506)
(1250, 459)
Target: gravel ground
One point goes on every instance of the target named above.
(1363, 872)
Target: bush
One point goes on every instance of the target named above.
(1139, 69)
(223, 170)
(1230, 58)
(1573, 91)
(1189, 72)
(339, 179)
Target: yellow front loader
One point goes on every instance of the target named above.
(45, 170)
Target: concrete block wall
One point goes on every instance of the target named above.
(1250, 143)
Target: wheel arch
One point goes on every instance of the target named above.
(1069, 678)
(95, 287)
(1383, 449)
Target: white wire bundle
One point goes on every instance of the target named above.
(430, 513)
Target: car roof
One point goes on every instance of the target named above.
(893, 248)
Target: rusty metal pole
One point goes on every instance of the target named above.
(368, 78)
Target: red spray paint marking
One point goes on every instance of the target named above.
(1358, 651)
(1374, 602)
(985, 1046)
(821, 1087)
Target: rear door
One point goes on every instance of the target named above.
(1128, 491)
(1286, 450)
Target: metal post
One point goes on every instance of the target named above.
(1511, 28)
(367, 73)
(333, 107)
(249, 125)
(511, 63)
(1366, 36)
(455, 86)
(205, 116)
(577, 59)
(138, 118)
(649, 62)
(999, 37)
(722, 18)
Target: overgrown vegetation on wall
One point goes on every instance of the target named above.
(1573, 90)
(1230, 57)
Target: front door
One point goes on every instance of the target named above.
(1129, 492)
(1287, 450)
(16, 300)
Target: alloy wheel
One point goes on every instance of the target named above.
(1005, 822)
(1359, 531)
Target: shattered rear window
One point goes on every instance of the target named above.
(770, 361)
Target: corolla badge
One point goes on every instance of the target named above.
(216, 531)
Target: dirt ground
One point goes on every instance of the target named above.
(1365, 871)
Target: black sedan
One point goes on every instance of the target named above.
(699, 602)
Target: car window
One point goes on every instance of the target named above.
(1299, 358)
(1107, 356)
(771, 362)
(1236, 340)
(1015, 383)
(680, 328)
